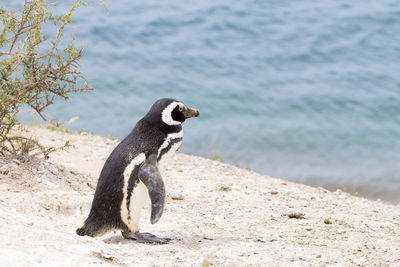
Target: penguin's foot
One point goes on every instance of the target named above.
(145, 238)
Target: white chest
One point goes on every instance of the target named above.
(130, 213)
(168, 149)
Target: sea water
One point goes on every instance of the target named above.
(307, 90)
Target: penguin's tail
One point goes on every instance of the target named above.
(90, 230)
(82, 231)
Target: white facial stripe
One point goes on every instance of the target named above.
(127, 173)
(166, 113)
(168, 140)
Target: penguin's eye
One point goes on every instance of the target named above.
(180, 108)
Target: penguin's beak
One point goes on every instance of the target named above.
(190, 112)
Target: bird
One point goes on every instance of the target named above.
(132, 172)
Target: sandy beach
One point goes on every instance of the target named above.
(228, 216)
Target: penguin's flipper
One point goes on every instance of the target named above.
(150, 176)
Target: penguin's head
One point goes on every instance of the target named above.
(171, 112)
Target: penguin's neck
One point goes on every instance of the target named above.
(170, 129)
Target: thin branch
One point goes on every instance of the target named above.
(20, 27)
(33, 78)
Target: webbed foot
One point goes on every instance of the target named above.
(146, 238)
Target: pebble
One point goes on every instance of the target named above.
(359, 261)
(362, 229)
(106, 255)
(4, 170)
(17, 161)
(177, 196)
(338, 191)
(103, 254)
(209, 236)
(341, 231)
(296, 214)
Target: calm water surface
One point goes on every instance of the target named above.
(307, 90)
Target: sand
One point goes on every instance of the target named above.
(228, 216)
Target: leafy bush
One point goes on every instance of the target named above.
(34, 69)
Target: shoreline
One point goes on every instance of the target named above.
(228, 216)
(388, 196)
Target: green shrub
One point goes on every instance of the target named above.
(35, 69)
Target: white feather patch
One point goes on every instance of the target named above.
(166, 114)
(167, 158)
(168, 140)
(130, 220)
(139, 197)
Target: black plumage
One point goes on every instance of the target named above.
(149, 135)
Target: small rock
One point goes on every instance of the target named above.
(177, 196)
(17, 161)
(4, 170)
(362, 229)
(296, 214)
(341, 231)
(103, 255)
(224, 188)
(209, 236)
(273, 192)
(360, 261)
(327, 221)
(308, 228)
(106, 255)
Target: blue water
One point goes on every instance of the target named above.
(306, 90)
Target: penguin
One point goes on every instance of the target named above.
(133, 170)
